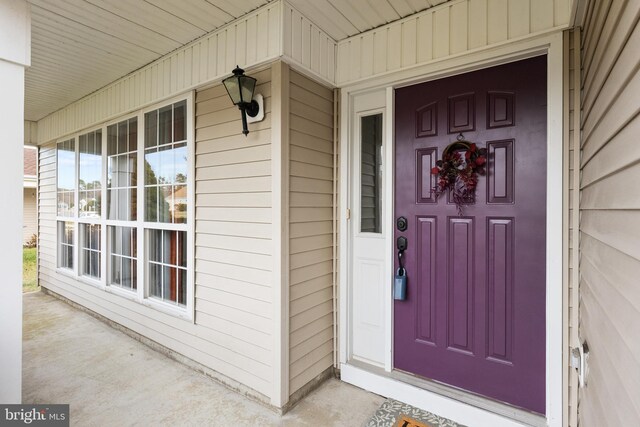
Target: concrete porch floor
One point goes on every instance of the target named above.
(108, 378)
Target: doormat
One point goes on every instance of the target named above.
(397, 414)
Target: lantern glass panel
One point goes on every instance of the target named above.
(248, 85)
(233, 88)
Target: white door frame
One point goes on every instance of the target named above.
(373, 378)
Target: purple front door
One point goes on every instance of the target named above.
(474, 316)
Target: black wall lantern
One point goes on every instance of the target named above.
(240, 89)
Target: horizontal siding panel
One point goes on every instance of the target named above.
(609, 159)
(307, 84)
(311, 227)
(258, 215)
(238, 170)
(606, 54)
(618, 229)
(304, 244)
(300, 275)
(235, 243)
(311, 372)
(309, 185)
(231, 157)
(311, 257)
(245, 325)
(238, 258)
(308, 97)
(235, 272)
(317, 340)
(310, 200)
(310, 330)
(609, 213)
(255, 138)
(230, 128)
(310, 127)
(310, 142)
(311, 315)
(239, 302)
(306, 170)
(307, 229)
(312, 157)
(233, 184)
(310, 286)
(607, 368)
(311, 214)
(305, 362)
(612, 192)
(237, 229)
(234, 200)
(307, 302)
(236, 287)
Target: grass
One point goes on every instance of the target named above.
(29, 276)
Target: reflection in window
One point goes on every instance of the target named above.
(66, 176)
(65, 244)
(123, 257)
(371, 174)
(89, 174)
(90, 250)
(122, 175)
(165, 163)
(167, 267)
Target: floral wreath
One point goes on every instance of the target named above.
(460, 175)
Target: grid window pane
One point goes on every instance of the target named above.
(179, 122)
(66, 177)
(122, 257)
(151, 129)
(122, 170)
(90, 244)
(166, 165)
(90, 174)
(167, 267)
(65, 244)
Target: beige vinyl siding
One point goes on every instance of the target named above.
(232, 330)
(610, 213)
(310, 230)
(234, 227)
(29, 214)
(572, 147)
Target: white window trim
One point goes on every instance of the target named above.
(141, 293)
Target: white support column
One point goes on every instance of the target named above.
(15, 47)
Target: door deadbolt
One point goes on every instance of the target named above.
(401, 223)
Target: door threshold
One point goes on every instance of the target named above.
(443, 400)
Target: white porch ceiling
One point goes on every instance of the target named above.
(344, 18)
(79, 46)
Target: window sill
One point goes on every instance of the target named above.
(131, 295)
(66, 272)
(175, 311)
(97, 283)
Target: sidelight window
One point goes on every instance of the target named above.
(371, 173)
